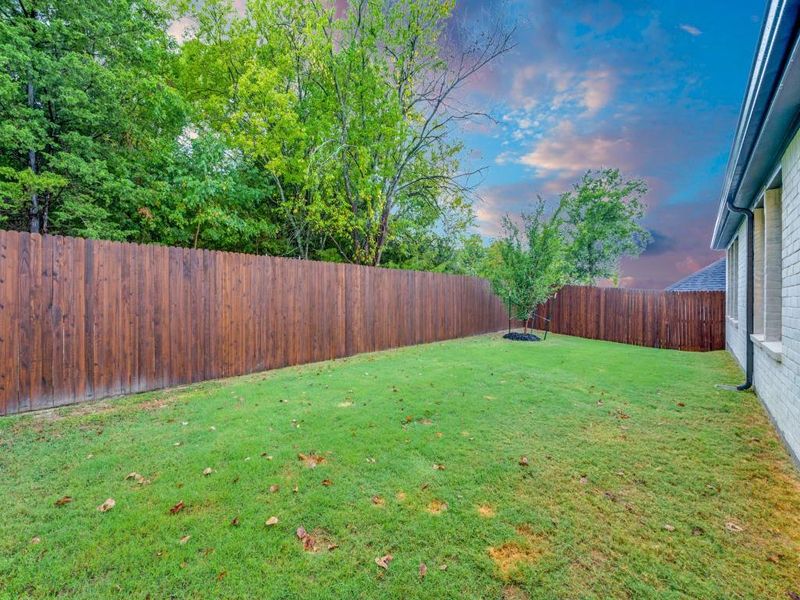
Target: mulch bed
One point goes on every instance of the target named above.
(522, 337)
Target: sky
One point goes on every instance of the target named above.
(651, 88)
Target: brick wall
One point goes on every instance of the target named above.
(777, 363)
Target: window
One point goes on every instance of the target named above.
(772, 266)
(732, 294)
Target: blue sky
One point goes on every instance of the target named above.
(652, 88)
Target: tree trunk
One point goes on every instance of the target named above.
(34, 208)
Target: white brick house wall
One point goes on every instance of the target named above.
(776, 373)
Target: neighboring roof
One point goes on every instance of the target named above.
(768, 119)
(707, 279)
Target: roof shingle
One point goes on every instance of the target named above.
(707, 279)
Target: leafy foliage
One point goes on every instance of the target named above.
(592, 227)
(602, 214)
(532, 263)
(286, 129)
(87, 116)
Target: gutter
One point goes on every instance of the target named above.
(769, 108)
(749, 310)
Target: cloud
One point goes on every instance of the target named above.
(567, 152)
(661, 243)
(598, 89)
(691, 30)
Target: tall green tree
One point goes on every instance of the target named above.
(581, 240)
(349, 118)
(602, 218)
(88, 120)
(531, 263)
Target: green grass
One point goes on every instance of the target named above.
(620, 442)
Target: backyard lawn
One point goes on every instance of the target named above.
(477, 468)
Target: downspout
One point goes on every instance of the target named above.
(748, 383)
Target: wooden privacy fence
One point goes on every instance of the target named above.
(678, 320)
(83, 319)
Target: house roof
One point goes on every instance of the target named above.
(708, 279)
(768, 119)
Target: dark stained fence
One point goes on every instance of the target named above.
(83, 319)
(678, 320)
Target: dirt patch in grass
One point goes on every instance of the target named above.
(436, 507)
(513, 592)
(509, 557)
(77, 410)
(486, 511)
(318, 540)
(311, 460)
(155, 404)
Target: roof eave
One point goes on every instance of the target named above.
(767, 113)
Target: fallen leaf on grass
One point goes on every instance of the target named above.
(184, 539)
(438, 467)
(423, 570)
(309, 542)
(208, 471)
(327, 482)
(523, 461)
(137, 478)
(107, 505)
(733, 527)
(378, 500)
(443, 567)
(383, 561)
(271, 521)
(177, 508)
(273, 489)
(316, 540)
(64, 500)
(668, 527)
(311, 460)
(774, 558)
(681, 404)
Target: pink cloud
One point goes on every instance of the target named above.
(565, 151)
